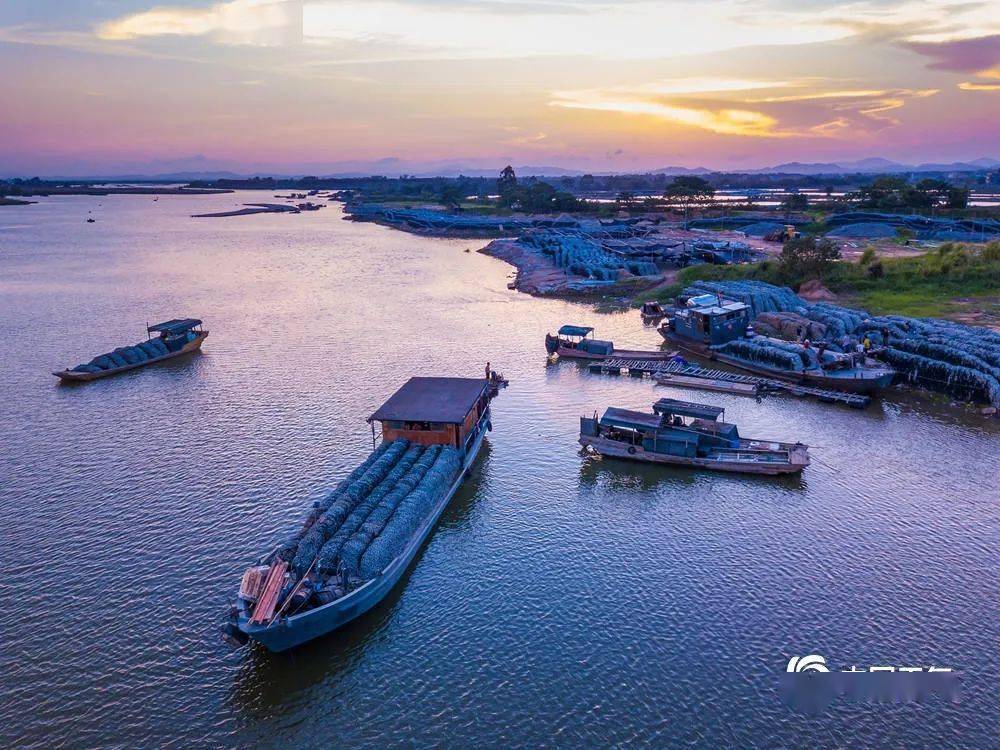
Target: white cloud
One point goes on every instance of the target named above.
(641, 29)
(260, 22)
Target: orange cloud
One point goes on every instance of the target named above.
(770, 116)
(974, 86)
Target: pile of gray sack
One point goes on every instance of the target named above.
(959, 360)
(367, 521)
(127, 355)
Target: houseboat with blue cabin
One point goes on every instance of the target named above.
(681, 433)
(173, 338)
(716, 328)
(578, 342)
(357, 542)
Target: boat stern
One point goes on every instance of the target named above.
(798, 456)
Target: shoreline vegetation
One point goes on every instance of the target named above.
(890, 246)
(954, 281)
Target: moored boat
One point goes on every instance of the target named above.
(356, 544)
(652, 311)
(681, 433)
(720, 329)
(173, 339)
(579, 342)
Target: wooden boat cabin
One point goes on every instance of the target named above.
(652, 310)
(687, 434)
(173, 331)
(579, 341)
(709, 319)
(431, 411)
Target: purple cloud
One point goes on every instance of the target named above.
(965, 55)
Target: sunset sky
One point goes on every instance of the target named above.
(319, 86)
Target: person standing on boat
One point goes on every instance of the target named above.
(488, 370)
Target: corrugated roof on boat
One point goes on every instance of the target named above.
(175, 326)
(687, 409)
(446, 400)
(575, 330)
(615, 417)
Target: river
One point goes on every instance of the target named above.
(563, 601)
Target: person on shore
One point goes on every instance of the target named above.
(867, 344)
(885, 337)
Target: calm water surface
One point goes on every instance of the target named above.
(563, 601)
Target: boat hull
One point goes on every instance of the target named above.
(865, 384)
(71, 376)
(289, 632)
(798, 457)
(563, 351)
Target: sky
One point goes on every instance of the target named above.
(327, 86)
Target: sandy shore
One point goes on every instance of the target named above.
(251, 208)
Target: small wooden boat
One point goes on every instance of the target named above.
(578, 342)
(652, 311)
(175, 338)
(681, 433)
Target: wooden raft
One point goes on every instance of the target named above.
(264, 610)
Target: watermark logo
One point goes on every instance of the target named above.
(810, 684)
(811, 663)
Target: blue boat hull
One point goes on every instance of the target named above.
(289, 632)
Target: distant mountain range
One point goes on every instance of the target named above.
(876, 165)
(201, 168)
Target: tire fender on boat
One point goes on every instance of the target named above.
(631, 450)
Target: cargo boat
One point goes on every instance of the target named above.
(355, 546)
(173, 339)
(681, 433)
(579, 342)
(715, 328)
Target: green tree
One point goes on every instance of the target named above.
(804, 258)
(451, 196)
(795, 202)
(507, 187)
(957, 197)
(689, 189)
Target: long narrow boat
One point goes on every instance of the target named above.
(324, 576)
(714, 328)
(174, 338)
(578, 342)
(681, 433)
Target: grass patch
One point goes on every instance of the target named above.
(921, 286)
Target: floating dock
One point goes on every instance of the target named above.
(693, 376)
